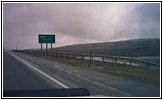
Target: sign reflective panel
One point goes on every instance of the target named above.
(46, 38)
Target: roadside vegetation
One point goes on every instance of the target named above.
(140, 74)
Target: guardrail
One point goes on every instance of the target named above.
(113, 59)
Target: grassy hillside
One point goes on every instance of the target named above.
(131, 48)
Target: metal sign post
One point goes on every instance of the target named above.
(41, 48)
(46, 48)
(51, 49)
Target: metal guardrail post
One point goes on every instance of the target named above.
(74, 56)
(102, 59)
(92, 58)
(115, 60)
(82, 56)
(148, 65)
(130, 63)
(67, 55)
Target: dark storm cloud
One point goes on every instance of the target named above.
(79, 22)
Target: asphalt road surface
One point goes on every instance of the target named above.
(22, 71)
(16, 76)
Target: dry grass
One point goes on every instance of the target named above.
(140, 74)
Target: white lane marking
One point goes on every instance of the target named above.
(69, 72)
(51, 78)
(56, 66)
(114, 89)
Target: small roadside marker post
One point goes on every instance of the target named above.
(90, 52)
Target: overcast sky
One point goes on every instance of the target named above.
(76, 23)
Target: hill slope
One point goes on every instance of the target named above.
(133, 48)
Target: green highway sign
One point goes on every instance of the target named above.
(46, 38)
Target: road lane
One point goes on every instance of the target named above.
(16, 76)
(37, 70)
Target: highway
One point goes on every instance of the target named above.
(24, 72)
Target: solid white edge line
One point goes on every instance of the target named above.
(51, 78)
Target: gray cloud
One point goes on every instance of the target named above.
(78, 22)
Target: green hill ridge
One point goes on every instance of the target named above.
(129, 48)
